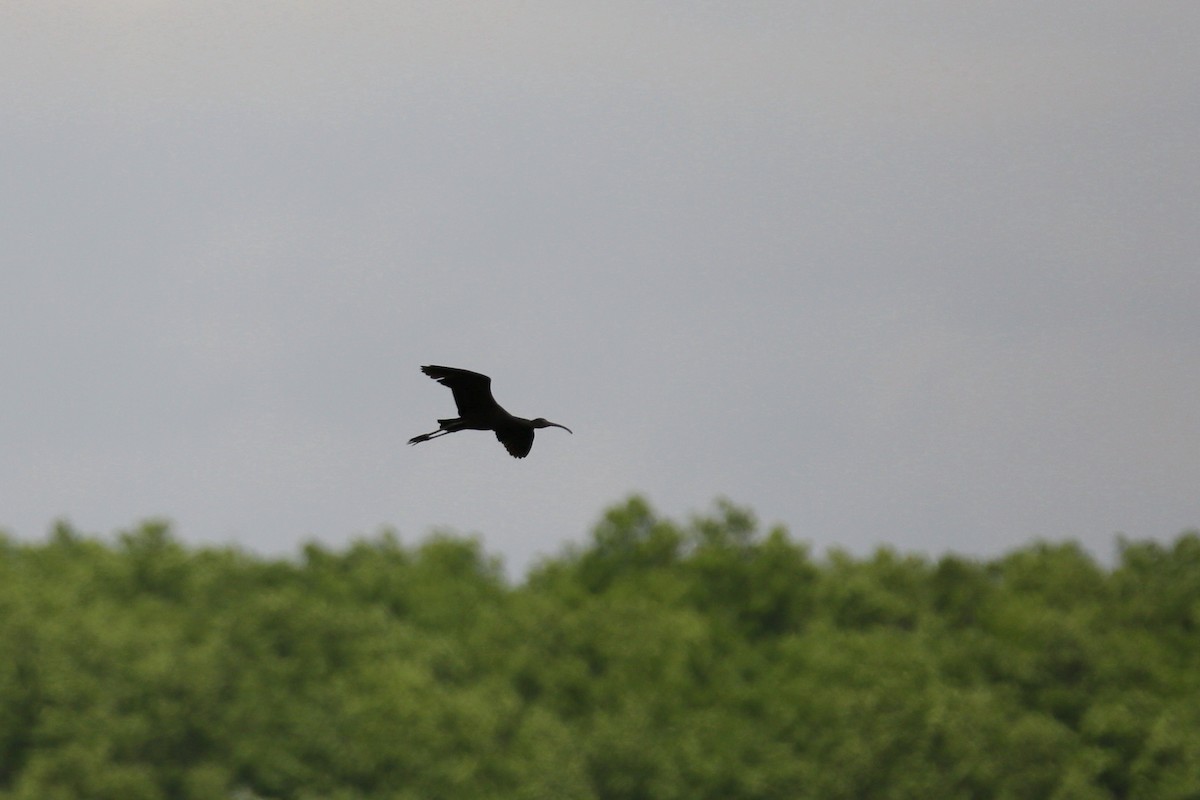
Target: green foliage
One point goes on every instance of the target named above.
(703, 659)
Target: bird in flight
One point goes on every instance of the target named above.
(479, 411)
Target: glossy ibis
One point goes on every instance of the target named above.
(479, 411)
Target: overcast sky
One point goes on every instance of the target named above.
(919, 274)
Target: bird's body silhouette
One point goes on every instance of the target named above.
(479, 411)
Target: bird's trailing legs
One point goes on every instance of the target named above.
(425, 437)
(448, 425)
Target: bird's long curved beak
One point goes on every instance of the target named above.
(564, 427)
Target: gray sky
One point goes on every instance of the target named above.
(923, 274)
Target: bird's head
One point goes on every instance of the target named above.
(542, 422)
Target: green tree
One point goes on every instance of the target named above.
(698, 659)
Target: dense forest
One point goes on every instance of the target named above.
(661, 660)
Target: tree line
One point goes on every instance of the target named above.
(660, 660)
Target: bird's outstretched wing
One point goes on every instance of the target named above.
(472, 391)
(516, 440)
